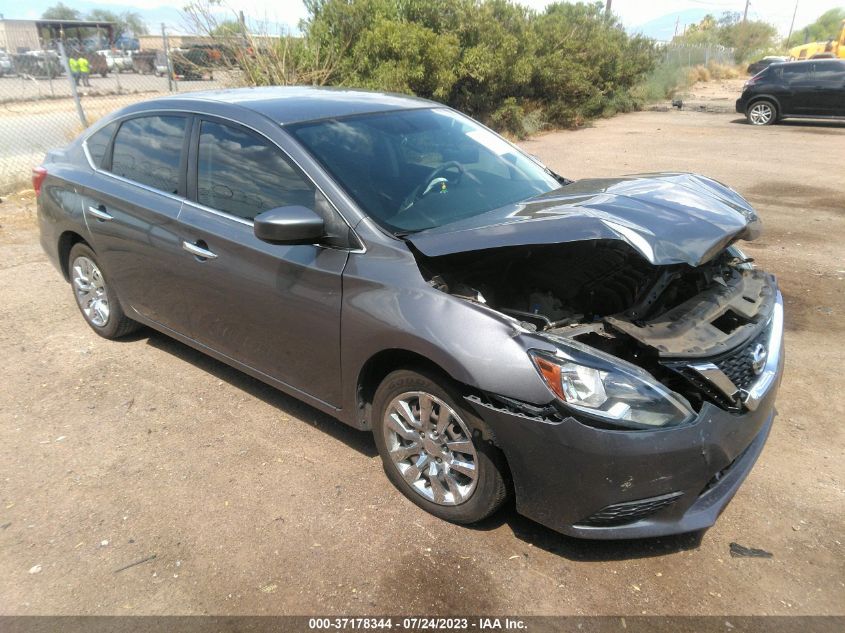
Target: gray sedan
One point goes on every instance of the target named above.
(599, 350)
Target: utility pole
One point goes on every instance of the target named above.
(745, 14)
(607, 9)
(792, 24)
(677, 22)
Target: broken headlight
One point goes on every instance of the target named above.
(616, 392)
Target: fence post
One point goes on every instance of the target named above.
(170, 83)
(72, 80)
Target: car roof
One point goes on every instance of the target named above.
(806, 62)
(296, 104)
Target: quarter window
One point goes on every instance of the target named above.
(148, 150)
(243, 175)
(98, 143)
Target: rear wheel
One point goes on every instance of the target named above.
(436, 452)
(762, 113)
(95, 297)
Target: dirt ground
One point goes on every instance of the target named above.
(250, 502)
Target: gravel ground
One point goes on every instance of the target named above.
(250, 502)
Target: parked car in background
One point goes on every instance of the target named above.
(6, 67)
(150, 63)
(117, 61)
(97, 64)
(599, 349)
(761, 64)
(38, 64)
(806, 89)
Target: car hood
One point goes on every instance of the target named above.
(669, 218)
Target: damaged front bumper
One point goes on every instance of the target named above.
(614, 484)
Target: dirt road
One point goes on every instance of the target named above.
(111, 453)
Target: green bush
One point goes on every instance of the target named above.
(503, 63)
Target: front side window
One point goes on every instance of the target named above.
(243, 174)
(148, 150)
(415, 169)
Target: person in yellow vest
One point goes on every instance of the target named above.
(84, 70)
(74, 69)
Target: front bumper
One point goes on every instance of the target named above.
(740, 105)
(608, 484)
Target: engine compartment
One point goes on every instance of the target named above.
(582, 282)
(605, 294)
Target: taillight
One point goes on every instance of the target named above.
(38, 176)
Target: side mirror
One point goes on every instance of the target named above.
(289, 225)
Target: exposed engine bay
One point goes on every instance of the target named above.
(605, 294)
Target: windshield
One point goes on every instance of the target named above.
(416, 169)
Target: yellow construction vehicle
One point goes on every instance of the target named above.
(830, 48)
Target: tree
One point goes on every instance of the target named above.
(61, 11)
(498, 60)
(226, 28)
(827, 27)
(747, 38)
(124, 23)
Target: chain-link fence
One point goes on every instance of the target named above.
(687, 56)
(38, 111)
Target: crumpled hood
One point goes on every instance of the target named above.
(670, 218)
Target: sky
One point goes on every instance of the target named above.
(637, 15)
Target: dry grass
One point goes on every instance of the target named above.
(713, 72)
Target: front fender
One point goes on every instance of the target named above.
(387, 305)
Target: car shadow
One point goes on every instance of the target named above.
(820, 124)
(523, 528)
(358, 440)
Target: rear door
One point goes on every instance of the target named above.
(801, 95)
(274, 308)
(131, 202)
(829, 79)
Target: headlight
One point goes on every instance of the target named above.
(605, 387)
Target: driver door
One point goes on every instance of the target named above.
(274, 308)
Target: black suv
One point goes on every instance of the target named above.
(808, 89)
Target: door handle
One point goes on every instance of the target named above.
(198, 251)
(100, 213)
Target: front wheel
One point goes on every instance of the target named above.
(762, 113)
(95, 297)
(437, 453)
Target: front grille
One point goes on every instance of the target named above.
(737, 365)
(630, 511)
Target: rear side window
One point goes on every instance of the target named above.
(831, 73)
(98, 143)
(243, 174)
(797, 73)
(148, 150)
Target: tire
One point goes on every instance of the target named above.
(95, 296)
(467, 441)
(762, 112)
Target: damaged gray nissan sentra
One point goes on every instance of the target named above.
(599, 350)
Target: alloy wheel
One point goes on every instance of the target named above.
(90, 290)
(431, 447)
(761, 113)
